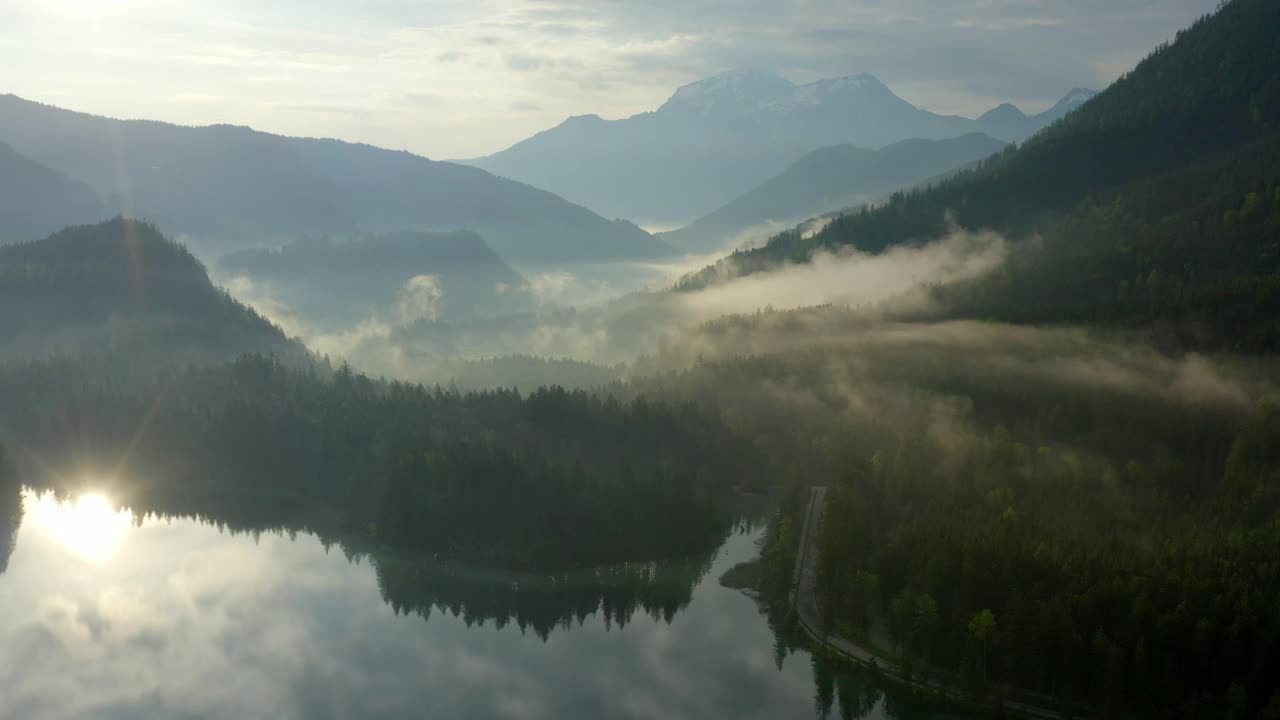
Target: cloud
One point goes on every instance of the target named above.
(421, 298)
(525, 61)
(196, 98)
(269, 62)
(263, 299)
(417, 299)
(620, 330)
(343, 343)
(875, 363)
(855, 279)
(550, 287)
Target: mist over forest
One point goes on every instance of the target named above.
(988, 403)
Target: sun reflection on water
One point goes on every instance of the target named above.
(89, 526)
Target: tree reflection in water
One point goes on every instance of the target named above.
(10, 518)
(540, 602)
(421, 584)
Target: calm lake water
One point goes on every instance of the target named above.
(104, 615)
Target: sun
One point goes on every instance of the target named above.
(90, 527)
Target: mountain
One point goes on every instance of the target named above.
(717, 138)
(1007, 121)
(228, 187)
(122, 287)
(35, 201)
(402, 277)
(1155, 205)
(830, 179)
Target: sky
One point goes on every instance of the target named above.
(463, 78)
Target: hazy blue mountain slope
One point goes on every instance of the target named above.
(827, 180)
(233, 186)
(1008, 122)
(717, 138)
(35, 201)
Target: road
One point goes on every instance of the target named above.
(805, 602)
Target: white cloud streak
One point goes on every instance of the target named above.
(855, 279)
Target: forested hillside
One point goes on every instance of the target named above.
(832, 179)
(1074, 511)
(122, 288)
(338, 283)
(1112, 509)
(1156, 203)
(550, 480)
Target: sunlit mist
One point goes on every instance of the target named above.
(89, 526)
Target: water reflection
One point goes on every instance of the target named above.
(89, 526)
(10, 517)
(541, 602)
(190, 619)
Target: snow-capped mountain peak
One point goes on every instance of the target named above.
(823, 91)
(861, 81)
(744, 92)
(735, 89)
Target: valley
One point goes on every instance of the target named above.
(902, 414)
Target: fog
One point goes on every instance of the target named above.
(611, 314)
(855, 279)
(421, 298)
(862, 350)
(837, 320)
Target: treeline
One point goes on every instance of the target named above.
(841, 689)
(541, 603)
(1192, 255)
(1069, 533)
(554, 479)
(1038, 569)
(529, 371)
(1050, 510)
(10, 508)
(121, 287)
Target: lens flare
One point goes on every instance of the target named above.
(90, 527)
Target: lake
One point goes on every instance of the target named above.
(107, 615)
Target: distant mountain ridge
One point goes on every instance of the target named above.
(827, 180)
(35, 200)
(230, 186)
(1008, 122)
(715, 139)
